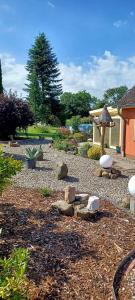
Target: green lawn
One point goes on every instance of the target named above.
(35, 131)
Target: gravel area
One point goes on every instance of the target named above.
(81, 173)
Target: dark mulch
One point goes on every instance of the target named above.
(70, 259)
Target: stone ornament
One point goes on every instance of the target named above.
(106, 161)
(93, 203)
(131, 186)
(69, 194)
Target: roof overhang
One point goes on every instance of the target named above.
(97, 112)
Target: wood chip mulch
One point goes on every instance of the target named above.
(70, 259)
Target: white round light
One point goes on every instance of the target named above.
(131, 186)
(106, 161)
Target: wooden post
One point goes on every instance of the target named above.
(102, 139)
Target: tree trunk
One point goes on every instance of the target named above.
(102, 140)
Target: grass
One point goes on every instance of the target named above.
(46, 192)
(35, 131)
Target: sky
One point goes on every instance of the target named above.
(94, 41)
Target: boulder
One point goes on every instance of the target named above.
(63, 207)
(62, 171)
(83, 213)
(70, 194)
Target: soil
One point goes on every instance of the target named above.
(70, 258)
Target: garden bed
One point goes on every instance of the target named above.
(69, 258)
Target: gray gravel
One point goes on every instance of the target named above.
(81, 173)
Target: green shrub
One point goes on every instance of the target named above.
(8, 168)
(94, 152)
(80, 137)
(13, 282)
(32, 153)
(85, 120)
(83, 150)
(74, 122)
(46, 192)
(65, 145)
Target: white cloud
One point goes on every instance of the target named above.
(14, 73)
(102, 73)
(51, 4)
(119, 23)
(95, 76)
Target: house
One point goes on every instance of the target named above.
(126, 106)
(123, 133)
(112, 134)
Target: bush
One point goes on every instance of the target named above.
(46, 192)
(94, 152)
(83, 150)
(65, 145)
(80, 137)
(8, 168)
(14, 113)
(85, 120)
(74, 122)
(13, 282)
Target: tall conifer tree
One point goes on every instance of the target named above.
(1, 85)
(43, 61)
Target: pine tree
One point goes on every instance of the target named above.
(1, 85)
(34, 95)
(42, 59)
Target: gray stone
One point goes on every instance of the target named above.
(70, 194)
(116, 171)
(84, 213)
(63, 207)
(62, 171)
(113, 176)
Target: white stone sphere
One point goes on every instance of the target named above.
(106, 161)
(131, 186)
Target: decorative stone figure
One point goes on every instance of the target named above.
(93, 203)
(106, 161)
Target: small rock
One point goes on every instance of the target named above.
(113, 176)
(116, 171)
(63, 207)
(70, 194)
(105, 174)
(81, 199)
(107, 170)
(98, 172)
(126, 202)
(62, 171)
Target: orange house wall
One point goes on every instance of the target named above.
(129, 115)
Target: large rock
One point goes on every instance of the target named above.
(70, 194)
(64, 208)
(84, 213)
(62, 170)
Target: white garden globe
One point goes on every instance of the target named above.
(106, 161)
(131, 186)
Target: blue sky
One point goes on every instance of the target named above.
(92, 40)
